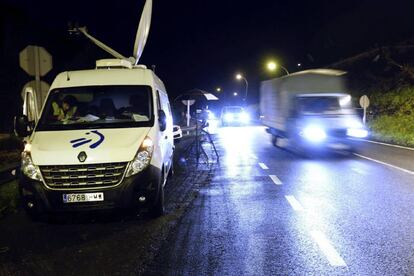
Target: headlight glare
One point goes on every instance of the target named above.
(228, 117)
(314, 134)
(357, 132)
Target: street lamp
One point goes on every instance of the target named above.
(235, 94)
(240, 77)
(218, 89)
(272, 66)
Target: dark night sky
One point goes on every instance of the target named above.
(197, 43)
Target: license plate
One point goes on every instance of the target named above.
(87, 197)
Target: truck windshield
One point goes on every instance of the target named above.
(319, 105)
(97, 107)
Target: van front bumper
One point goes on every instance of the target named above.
(125, 195)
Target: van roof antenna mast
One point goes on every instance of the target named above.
(140, 38)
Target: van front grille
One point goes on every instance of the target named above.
(83, 176)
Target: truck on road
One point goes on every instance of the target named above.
(311, 110)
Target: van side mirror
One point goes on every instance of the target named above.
(162, 120)
(22, 126)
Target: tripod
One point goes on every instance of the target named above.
(201, 138)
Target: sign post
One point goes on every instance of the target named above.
(36, 62)
(188, 103)
(364, 102)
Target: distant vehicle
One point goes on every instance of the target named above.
(311, 109)
(104, 139)
(234, 115)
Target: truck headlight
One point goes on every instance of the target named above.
(28, 168)
(314, 133)
(357, 132)
(142, 158)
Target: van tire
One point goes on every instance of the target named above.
(158, 209)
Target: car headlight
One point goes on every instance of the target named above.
(142, 158)
(314, 133)
(357, 132)
(245, 117)
(228, 117)
(28, 168)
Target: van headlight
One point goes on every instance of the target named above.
(28, 168)
(142, 158)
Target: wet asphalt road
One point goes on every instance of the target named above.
(260, 211)
(269, 212)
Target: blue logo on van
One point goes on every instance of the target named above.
(82, 141)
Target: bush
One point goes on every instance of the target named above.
(396, 102)
(398, 129)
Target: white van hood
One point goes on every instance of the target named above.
(100, 145)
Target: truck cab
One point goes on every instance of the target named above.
(104, 140)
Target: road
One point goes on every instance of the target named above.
(270, 212)
(260, 211)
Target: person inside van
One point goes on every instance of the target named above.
(67, 111)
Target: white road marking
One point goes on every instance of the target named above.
(263, 166)
(386, 164)
(294, 203)
(275, 179)
(384, 144)
(325, 245)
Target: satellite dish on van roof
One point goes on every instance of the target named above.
(143, 31)
(140, 39)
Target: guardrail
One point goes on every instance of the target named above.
(8, 173)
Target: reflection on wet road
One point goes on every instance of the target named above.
(268, 211)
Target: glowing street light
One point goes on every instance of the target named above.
(240, 77)
(272, 66)
(235, 94)
(218, 89)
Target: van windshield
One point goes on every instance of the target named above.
(97, 107)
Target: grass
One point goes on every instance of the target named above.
(396, 129)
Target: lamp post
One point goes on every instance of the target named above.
(240, 77)
(272, 66)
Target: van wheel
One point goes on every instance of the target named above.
(158, 209)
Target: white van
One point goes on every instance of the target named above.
(104, 139)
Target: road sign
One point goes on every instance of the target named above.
(188, 102)
(35, 60)
(364, 101)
